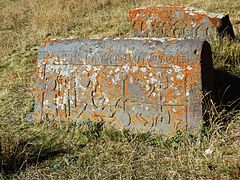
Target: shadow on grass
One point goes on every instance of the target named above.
(17, 152)
(17, 155)
(227, 89)
(226, 98)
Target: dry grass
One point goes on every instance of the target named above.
(89, 152)
(43, 151)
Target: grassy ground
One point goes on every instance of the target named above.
(43, 151)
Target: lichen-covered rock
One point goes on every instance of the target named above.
(179, 22)
(136, 84)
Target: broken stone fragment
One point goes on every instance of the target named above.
(179, 22)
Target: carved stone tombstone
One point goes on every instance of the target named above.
(179, 22)
(130, 83)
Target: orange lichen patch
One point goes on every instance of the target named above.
(147, 84)
(215, 21)
(178, 21)
(51, 40)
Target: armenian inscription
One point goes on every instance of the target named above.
(136, 84)
(179, 22)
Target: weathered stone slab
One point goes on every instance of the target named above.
(136, 84)
(179, 22)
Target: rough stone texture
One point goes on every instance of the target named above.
(136, 84)
(179, 22)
